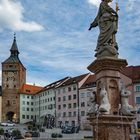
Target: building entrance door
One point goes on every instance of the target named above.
(10, 115)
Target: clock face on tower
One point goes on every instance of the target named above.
(11, 80)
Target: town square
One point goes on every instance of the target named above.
(69, 70)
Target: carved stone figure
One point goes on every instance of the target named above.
(104, 107)
(93, 107)
(107, 20)
(126, 108)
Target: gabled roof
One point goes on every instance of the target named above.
(133, 72)
(30, 89)
(54, 84)
(90, 82)
(74, 80)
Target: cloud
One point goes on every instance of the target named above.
(95, 2)
(130, 5)
(11, 17)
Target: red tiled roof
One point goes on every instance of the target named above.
(133, 72)
(30, 89)
(90, 82)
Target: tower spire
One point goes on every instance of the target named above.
(14, 48)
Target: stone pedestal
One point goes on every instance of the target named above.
(107, 72)
(111, 127)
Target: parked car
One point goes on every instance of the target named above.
(70, 129)
(28, 134)
(32, 134)
(8, 124)
(35, 134)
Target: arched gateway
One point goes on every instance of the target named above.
(10, 116)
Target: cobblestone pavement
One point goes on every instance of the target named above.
(73, 136)
(47, 134)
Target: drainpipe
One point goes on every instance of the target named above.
(78, 115)
(39, 109)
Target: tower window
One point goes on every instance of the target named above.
(8, 103)
(10, 66)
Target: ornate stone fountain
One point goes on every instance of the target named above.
(112, 116)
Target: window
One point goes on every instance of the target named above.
(69, 88)
(64, 105)
(59, 114)
(64, 114)
(10, 66)
(82, 113)
(27, 91)
(74, 87)
(64, 98)
(23, 108)
(46, 107)
(69, 97)
(59, 99)
(64, 90)
(138, 111)
(23, 116)
(32, 103)
(82, 104)
(32, 109)
(59, 106)
(74, 113)
(137, 88)
(82, 95)
(69, 114)
(74, 105)
(23, 102)
(27, 109)
(58, 91)
(69, 105)
(88, 94)
(138, 124)
(32, 117)
(27, 103)
(28, 97)
(137, 100)
(74, 96)
(27, 116)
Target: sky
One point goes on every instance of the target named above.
(53, 38)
